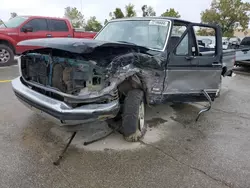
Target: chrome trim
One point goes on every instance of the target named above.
(19, 65)
(166, 41)
(55, 120)
(61, 107)
(54, 90)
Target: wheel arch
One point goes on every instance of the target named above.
(9, 44)
(133, 82)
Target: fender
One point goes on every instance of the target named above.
(9, 40)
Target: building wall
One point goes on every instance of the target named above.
(239, 33)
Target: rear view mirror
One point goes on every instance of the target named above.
(27, 29)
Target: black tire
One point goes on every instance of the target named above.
(131, 129)
(11, 55)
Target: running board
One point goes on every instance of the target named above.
(206, 108)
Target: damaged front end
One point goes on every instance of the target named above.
(79, 82)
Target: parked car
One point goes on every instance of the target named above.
(243, 53)
(31, 27)
(81, 81)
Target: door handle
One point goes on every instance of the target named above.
(49, 35)
(190, 58)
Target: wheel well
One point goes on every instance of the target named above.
(132, 82)
(7, 43)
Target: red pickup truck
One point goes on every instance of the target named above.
(31, 27)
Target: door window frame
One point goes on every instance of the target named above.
(186, 32)
(26, 23)
(49, 21)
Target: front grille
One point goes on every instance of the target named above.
(35, 68)
(69, 76)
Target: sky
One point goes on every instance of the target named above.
(188, 9)
(99, 8)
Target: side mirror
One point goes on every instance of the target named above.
(27, 29)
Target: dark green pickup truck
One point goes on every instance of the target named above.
(130, 63)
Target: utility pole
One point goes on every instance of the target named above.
(81, 5)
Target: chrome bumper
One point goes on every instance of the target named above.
(59, 111)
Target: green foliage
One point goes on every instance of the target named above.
(205, 32)
(171, 13)
(13, 15)
(147, 11)
(75, 16)
(116, 14)
(229, 14)
(129, 9)
(93, 25)
(129, 12)
(105, 22)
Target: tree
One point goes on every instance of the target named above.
(129, 9)
(205, 32)
(105, 21)
(116, 14)
(13, 15)
(93, 24)
(75, 16)
(171, 13)
(147, 11)
(229, 14)
(129, 12)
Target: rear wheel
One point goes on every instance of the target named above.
(6, 55)
(133, 118)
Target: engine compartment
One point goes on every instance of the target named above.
(86, 77)
(65, 74)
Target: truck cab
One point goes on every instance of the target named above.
(32, 27)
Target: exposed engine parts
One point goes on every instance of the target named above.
(67, 75)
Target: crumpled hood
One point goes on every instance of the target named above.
(76, 45)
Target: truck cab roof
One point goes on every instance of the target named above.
(45, 17)
(150, 18)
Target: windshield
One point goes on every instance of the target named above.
(14, 22)
(149, 33)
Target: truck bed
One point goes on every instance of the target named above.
(243, 52)
(243, 56)
(228, 60)
(81, 33)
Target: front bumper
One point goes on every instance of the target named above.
(59, 111)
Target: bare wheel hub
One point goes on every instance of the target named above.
(141, 118)
(4, 56)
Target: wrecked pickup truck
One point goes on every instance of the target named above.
(130, 63)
